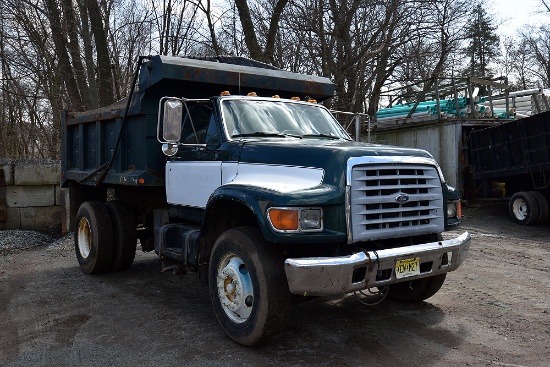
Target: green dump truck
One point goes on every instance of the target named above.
(236, 171)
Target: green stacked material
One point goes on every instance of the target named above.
(448, 108)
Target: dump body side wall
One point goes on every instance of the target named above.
(89, 143)
(512, 150)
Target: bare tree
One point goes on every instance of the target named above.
(546, 5)
(105, 77)
(93, 98)
(81, 54)
(537, 41)
(174, 21)
(67, 73)
(71, 26)
(206, 7)
(516, 64)
(3, 82)
(257, 52)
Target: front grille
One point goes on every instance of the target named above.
(395, 200)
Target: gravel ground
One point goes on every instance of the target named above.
(493, 311)
(14, 240)
(27, 161)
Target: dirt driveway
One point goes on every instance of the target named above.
(493, 311)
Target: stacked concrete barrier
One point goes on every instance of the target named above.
(30, 196)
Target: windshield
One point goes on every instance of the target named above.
(268, 118)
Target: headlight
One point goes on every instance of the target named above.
(296, 219)
(311, 219)
(454, 209)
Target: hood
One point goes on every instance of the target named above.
(317, 152)
(330, 155)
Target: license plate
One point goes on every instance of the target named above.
(406, 268)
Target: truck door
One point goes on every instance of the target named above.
(196, 173)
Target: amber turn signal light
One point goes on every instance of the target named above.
(284, 219)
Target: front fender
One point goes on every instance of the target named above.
(258, 200)
(451, 194)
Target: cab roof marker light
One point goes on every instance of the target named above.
(225, 93)
(252, 94)
(276, 96)
(295, 99)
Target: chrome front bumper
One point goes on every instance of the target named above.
(324, 276)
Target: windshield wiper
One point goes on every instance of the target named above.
(264, 134)
(321, 136)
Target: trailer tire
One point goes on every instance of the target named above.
(248, 287)
(544, 210)
(523, 208)
(416, 290)
(93, 237)
(124, 235)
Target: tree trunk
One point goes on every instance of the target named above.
(105, 78)
(88, 55)
(74, 50)
(273, 28)
(250, 38)
(64, 66)
(207, 11)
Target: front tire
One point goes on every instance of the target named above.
(248, 287)
(416, 290)
(93, 237)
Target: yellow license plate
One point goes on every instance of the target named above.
(406, 268)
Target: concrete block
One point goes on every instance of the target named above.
(58, 194)
(13, 219)
(26, 196)
(40, 217)
(8, 173)
(37, 174)
(3, 212)
(66, 220)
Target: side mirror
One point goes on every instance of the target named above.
(171, 122)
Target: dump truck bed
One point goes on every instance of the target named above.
(89, 138)
(513, 148)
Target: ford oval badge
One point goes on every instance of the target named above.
(402, 198)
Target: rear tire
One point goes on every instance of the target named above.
(248, 287)
(93, 237)
(124, 235)
(416, 290)
(544, 210)
(523, 208)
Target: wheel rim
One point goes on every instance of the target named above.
(235, 289)
(519, 207)
(84, 238)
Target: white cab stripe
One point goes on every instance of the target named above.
(279, 178)
(192, 183)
